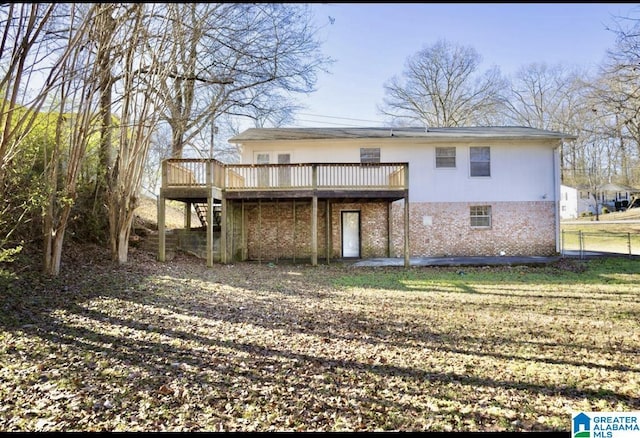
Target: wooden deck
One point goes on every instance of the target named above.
(216, 187)
(194, 180)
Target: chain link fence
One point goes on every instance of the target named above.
(584, 242)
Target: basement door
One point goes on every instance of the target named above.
(351, 234)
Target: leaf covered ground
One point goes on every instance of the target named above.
(178, 346)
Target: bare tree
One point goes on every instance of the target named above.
(107, 50)
(144, 42)
(41, 60)
(24, 35)
(617, 95)
(442, 86)
(545, 97)
(595, 178)
(611, 107)
(20, 51)
(74, 122)
(226, 53)
(120, 69)
(556, 98)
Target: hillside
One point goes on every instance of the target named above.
(147, 214)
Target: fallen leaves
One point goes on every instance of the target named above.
(251, 347)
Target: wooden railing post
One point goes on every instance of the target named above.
(314, 176)
(165, 179)
(209, 173)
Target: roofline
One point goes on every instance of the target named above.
(510, 133)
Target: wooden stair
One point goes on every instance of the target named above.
(201, 212)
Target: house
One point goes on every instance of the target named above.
(309, 193)
(579, 201)
(569, 202)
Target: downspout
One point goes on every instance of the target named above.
(556, 193)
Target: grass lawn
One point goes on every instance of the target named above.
(609, 234)
(260, 347)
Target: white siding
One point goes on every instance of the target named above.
(568, 202)
(520, 171)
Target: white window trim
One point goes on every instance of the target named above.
(489, 216)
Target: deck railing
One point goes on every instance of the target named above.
(187, 172)
(304, 176)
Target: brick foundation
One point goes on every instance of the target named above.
(443, 229)
(282, 230)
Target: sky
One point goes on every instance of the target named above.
(370, 43)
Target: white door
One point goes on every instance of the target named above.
(350, 234)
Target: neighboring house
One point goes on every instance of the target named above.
(579, 201)
(569, 202)
(309, 193)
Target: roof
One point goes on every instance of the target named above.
(494, 132)
(608, 187)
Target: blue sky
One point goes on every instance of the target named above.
(371, 42)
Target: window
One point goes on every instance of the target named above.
(479, 161)
(369, 155)
(263, 172)
(273, 176)
(445, 157)
(480, 216)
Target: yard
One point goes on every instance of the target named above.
(617, 232)
(261, 347)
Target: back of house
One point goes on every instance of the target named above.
(385, 192)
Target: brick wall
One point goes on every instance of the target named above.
(443, 229)
(373, 228)
(268, 238)
(273, 231)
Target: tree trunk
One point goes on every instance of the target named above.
(55, 259)
(53, 242)
(123, 241)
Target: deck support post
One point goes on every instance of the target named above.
(314, 231)
(389, 227)
(294, 231)
(243, 231)
(406, 232)
(328, 230)
(162, 250)
(210, 230)
(187, 215)
(223, 230)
